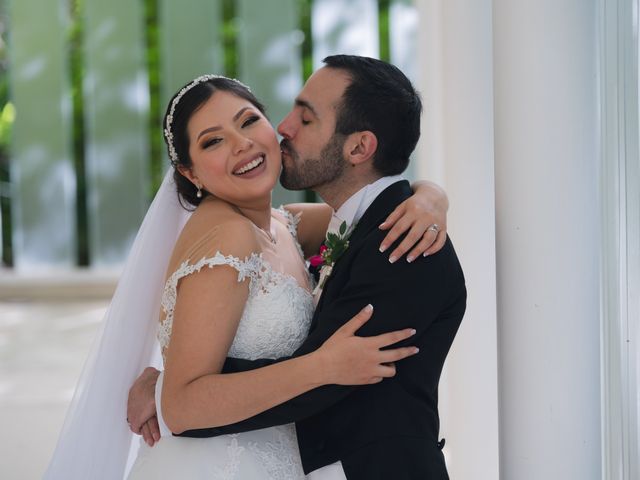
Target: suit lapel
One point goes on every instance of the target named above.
(381, 207)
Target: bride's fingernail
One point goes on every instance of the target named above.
(383, 248)
(368, 308)
(410, 259)
(392, 259)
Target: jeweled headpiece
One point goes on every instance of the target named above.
(168, 134)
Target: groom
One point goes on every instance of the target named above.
(350, 134)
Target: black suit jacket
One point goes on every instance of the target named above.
(390, 429)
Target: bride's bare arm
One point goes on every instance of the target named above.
(208, 309)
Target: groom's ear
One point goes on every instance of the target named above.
(360, 147)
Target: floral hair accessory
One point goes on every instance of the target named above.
(334, 246)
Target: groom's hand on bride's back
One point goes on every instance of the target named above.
(141, 406)
(423, 218)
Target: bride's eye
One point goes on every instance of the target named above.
(251, 120)
(210, 142)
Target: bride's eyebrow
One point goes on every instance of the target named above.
(218, 127)
(240, 112)
(208, 130)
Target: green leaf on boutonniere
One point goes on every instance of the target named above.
(334, 246)
(337, 244)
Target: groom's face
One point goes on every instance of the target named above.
(312, 154)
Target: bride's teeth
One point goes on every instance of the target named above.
(250, 166)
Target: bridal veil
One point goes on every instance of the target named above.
(95, 441)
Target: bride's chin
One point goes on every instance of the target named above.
(270, 182)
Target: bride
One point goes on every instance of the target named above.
(236, 285)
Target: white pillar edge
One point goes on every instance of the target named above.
(456, 151)
(620, 262)
(547, 175)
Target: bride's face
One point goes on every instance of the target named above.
(234, 150)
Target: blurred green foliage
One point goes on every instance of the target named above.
(229, 37)
(76, 75)
(156, 142)
(7, 116)
(383, 29)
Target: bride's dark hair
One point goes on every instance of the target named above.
(187, 104)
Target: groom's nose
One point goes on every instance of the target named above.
(287, 127)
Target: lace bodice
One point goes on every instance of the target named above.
(276, 316)
(278, 311)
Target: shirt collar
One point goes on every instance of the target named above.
(352, 210)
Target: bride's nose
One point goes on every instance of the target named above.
(241, 144)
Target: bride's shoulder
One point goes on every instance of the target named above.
(216, 227)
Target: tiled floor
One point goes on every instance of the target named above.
(43, 346)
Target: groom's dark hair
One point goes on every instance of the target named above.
(382, 100)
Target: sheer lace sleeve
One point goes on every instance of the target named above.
(231, 243)
(292, 222)
(249, 268)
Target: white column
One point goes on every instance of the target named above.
(546, 163)
(456, 150)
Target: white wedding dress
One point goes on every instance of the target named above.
(274, 323)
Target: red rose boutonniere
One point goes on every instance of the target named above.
(334, 246)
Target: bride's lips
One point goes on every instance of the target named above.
(250, 166)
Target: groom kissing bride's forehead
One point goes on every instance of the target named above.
(348, 137)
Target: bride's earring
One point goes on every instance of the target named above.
(199, 192)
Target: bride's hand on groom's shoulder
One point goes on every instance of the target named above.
(141, 406)
(423, 218)
(348, 359)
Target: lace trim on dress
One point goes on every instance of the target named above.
(250, 267)
(263, 279)
(234, 451)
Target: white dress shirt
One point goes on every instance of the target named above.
(353, 208)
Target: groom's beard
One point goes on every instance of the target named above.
(311, 173)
